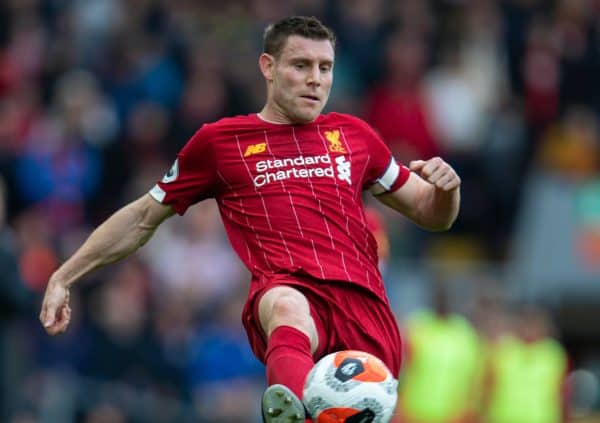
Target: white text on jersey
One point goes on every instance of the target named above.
(300, 167)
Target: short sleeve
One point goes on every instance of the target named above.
(192, 176)
(384, 173)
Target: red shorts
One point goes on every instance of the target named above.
(347, 316)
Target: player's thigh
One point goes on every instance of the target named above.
(367, 324)
(284, 305)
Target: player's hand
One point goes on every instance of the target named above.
(56, 313)
(437, 172)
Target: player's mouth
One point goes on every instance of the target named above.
(311, 98)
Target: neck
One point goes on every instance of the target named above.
(270, 117)
(273, 114)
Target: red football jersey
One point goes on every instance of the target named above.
(289, 195)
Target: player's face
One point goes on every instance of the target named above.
(301, 78)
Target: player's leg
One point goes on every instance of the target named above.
(292, 337)
(285, 318)
(362, 322)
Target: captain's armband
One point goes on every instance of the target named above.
(392, 179)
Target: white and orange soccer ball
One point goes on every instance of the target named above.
(350, 386)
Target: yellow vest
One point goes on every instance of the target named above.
(527, 381)
(443, 370)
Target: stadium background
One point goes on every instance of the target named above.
(97, 96)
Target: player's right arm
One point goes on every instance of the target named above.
(120, 235)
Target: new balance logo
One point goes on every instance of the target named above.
(255, 149)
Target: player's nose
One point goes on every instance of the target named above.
(314, 76)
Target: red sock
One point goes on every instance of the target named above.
(288, 358)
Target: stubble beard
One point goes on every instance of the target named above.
(303, 113)
(296, 113)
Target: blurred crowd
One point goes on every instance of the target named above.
(97, 97)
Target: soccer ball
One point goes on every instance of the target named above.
(350, 383)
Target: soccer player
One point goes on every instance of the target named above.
(288, 181)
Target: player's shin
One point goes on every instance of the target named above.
(288, 358)
(288, 361)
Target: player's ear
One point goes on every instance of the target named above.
(266, 62)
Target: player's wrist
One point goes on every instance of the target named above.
(58, 281)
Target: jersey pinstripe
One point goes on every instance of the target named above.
(290, 196)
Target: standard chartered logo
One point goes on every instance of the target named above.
(343, 169)
(301, 167)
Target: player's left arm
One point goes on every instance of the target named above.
(430, 197)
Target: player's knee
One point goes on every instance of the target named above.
(295, 312)
(290, 310)
(285, 306)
